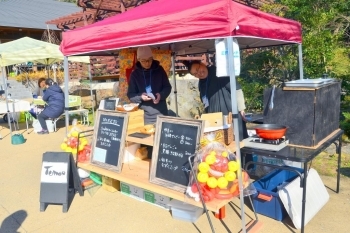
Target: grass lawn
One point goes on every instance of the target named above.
(326, 164)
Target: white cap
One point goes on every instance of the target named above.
(144, 52)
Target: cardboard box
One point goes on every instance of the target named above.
(130, 151)
(136, 120)
(156, 199)
(214, 124)
(131, 191)
(212, 119)
(145, 195)
(110, 184)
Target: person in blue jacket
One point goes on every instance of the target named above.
(54, 98)
(149, 86)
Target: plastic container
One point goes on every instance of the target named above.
(291, 196)
(185, 212)
(267, 201)
(50, 126)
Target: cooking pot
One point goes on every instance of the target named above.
(271, 131)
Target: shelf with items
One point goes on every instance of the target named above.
(137, 173)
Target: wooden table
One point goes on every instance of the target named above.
(137, 173)
(301, 154)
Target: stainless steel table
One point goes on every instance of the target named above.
(303, 155)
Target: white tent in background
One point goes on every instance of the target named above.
(28, 49)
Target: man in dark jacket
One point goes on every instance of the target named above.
(54, 98)
(149, 86)
(215, 93)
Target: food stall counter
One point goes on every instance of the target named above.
(137, 173)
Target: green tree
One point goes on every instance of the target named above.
(324, 25)
(325, 31)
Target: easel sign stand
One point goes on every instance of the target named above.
(59, 180)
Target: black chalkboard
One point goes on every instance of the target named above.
(175, 141)
(109, 139)
(109, 104)
(59, 178)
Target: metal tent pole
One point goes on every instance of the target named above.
(229, 42)
(300, 53)
(91, 93)
(174, 78)
(7, 102)
(66, 94)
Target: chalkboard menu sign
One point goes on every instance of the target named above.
(109, 104)
(109, 139)
(175, 141)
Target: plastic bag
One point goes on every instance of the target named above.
(216, 170)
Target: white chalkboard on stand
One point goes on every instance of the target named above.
(109, 139)
(175, 141)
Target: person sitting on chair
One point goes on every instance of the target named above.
(54, 98)
(40, 89)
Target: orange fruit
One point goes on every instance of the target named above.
(203, 167)
(212, 182)
(212, 153)
(230, 175)
(224, 154)
(210, 159)
(64, 146)
(233, 166)
(202, 177)
(222, 182)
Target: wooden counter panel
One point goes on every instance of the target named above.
(137, 173)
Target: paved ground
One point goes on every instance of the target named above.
(20, 168)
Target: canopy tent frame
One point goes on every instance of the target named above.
(229, 41)
(202, 22)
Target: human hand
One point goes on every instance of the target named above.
(243, 115)
(145, 97)
(156, 101)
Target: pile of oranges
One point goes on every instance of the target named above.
(217, 176)
(70, 144)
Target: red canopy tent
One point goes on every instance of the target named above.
(164, 22)
(188, 27)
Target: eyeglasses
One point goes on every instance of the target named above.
(146, 60)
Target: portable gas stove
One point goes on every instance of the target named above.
(265, 144)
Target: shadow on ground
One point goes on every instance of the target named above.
(345, 171)
(13, 222)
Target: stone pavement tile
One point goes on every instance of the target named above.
(125, 214)
(113, 212)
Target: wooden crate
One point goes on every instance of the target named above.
(135, 120)
(311, 114)
(110, 184)
(216, 120)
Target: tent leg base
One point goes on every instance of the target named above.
(221, 214)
